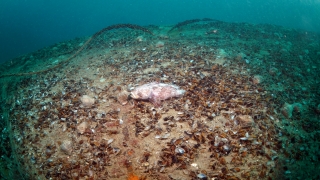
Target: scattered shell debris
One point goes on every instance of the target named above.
(184, 103)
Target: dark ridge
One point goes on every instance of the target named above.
(118, 26)
(180, 24)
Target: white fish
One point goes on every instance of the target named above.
(156, 92)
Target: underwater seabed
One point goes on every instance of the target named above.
(250, 109)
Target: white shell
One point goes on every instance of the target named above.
(82, 127)
(110, 141)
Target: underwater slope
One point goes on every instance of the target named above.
(250, 107)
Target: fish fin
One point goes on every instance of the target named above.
(154, 100)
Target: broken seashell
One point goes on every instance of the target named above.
(110, 141)
(179, 150)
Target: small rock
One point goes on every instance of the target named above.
(287, 109)
(257, 79)
(122, 97)
(66, 147)
(87, 101)
(82, 127)
(160, 44)
(245, 121)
